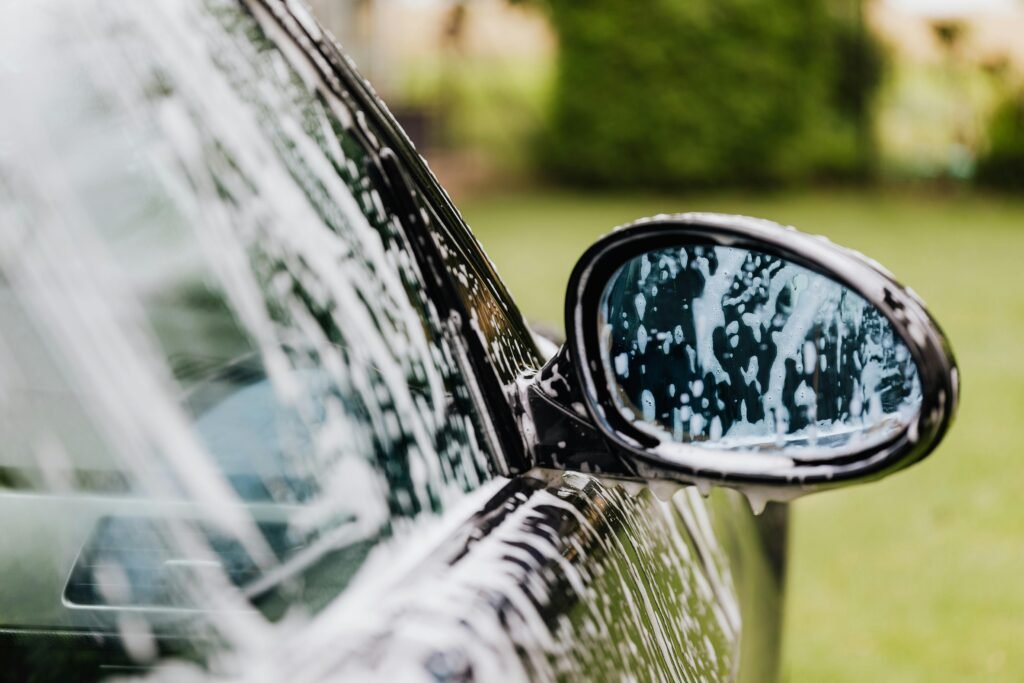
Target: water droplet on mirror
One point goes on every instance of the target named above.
(716, 429)
(758, 502)
(647, 405)
(640, 303)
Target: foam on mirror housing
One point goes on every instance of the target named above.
(738, 350)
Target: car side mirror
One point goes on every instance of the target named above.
(726, 349)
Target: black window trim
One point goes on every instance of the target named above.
(406, 176)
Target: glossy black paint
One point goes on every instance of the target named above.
(570, 575)
(558, 415)
(416, 193)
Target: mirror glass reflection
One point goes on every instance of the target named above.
(733, 349)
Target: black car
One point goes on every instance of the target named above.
(269, 413)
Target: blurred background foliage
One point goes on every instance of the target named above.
(698, 94)
(801, 74)
(1002, 163)
(895, 127)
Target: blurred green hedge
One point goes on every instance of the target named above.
(1002, 165)
(671, 93)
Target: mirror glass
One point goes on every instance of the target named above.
(732, 349)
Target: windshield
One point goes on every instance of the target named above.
(223, 381)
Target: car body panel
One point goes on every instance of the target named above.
(470, 563)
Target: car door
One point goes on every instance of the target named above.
(616, 581)
(272, 369)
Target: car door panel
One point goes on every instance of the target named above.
(575, 577)
(571, 578)
(468, 562)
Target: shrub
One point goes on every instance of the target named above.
(1002, 165)
(707, 92)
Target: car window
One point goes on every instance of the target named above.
(224, 379)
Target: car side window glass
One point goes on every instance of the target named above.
(220, 360)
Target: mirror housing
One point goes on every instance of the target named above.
(582, 377)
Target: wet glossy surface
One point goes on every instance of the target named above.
(585, 581)
(253, 394)
(726, 348)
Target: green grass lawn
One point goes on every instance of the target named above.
(919, 577)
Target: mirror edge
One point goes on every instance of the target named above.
(901, 306)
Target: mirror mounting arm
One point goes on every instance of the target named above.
(561, 434)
